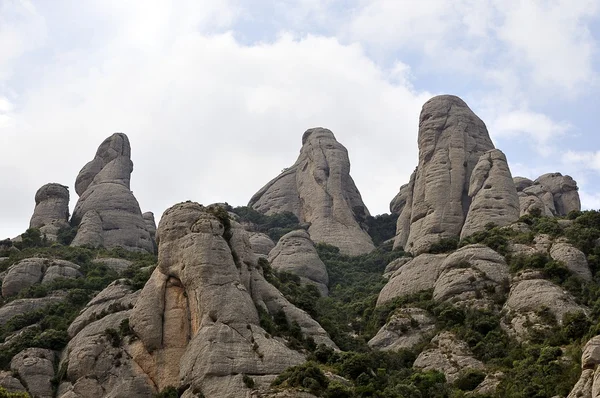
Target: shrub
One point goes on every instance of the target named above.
(248, 381)
(167, 392)
(469, 379)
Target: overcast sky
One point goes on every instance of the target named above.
(215, 95)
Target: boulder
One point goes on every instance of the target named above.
(417, 275)
(34, 270)
(493, 194)
(573, 258)
(261, 243)
(10, 383)
(448, 355)
(21, 306)
(318, 189)
(521, 183)
(471, 276)
(529, 300)
(451, 140)
(296, 253)
(564, 192)
(51, 211)
(107, 213)
(35, 367)
(406, 328)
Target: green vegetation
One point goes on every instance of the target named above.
(5, 394)
(275, 225)
(47, 327)
(382, 227)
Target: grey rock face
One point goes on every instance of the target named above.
(530, 296)
(35, 366)
(197, 318)
(30, 271)
(470, 276)
(573, 258)
(261, 243)
(449, 356)
(107, 212)
(417, 275)
(51, 211)
(553, 194)
(119, 265)
(493, 194)
(406, 328)
(588, 385)
(451, 141)
(295, 253)
(20, 306)
(318, 189)
(10, 383)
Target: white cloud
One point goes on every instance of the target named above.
(536, 126)
(210, 119)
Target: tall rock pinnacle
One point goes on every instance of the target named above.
(107, 213)
(51, 211)
(318, 189)
(435, 203)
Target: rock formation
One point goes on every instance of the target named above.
(51, 212)
(35, 367)
(261, 243)
(448, 355)
(196, 320)
(493, 194)
(295, 253)
(318, 189)
(30, 271)
(588, 385)
(553, 194)
(406, 328)
(451, 141)
(107, 213)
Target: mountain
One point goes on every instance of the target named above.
(487, 286)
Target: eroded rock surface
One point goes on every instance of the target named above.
(493, 194)
(451, 141)
(261, 243)
(51, 211)
(197, 318)
(531, 302)
(588, 385)
(471, 276)
(448, 355)
(318, 189)
(30, 271)
(552, 194)
(296, 253)
(35, 367)
(406, 328)
(417, 275)
(107, 213)
(573, 258)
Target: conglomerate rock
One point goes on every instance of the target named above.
(51, 212)
(318, 189)
(107, 213)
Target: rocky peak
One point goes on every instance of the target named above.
(451, 141)
(107, 213)
(51, 211)
(318, 189)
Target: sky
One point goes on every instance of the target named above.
(215, 95)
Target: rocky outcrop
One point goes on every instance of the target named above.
(406, 328)
(107, 213)
(588, 385)
(10, 383)
(472, 276)
(451, 141)
(30, 271)
(417, 275)
(295, 253)
(318, 189)
(35, 367)
(261, 243)
(448, 355)
(551, 194)
(573, 258)
(119, 265)
(51, 212)
(197, 318)
(21, 306)
(535, 305)
(492, 193)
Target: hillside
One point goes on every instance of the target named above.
(477, 284)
